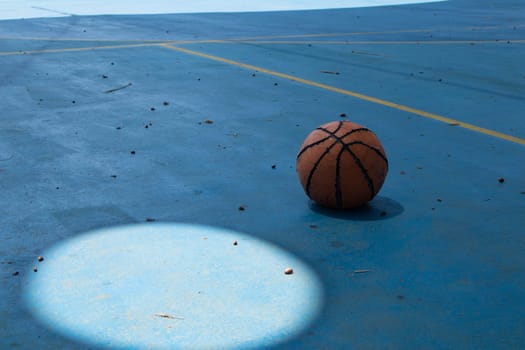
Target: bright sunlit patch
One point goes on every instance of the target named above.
(10, 9)
(173, 286)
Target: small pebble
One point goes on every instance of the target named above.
(208, 121)
(288, 271)
(16, 273)
(40, 258)
(313, 226)
(150, 220)
(165, 103)
(274, 166)
(132, 152)
(152, 109)
(242, 208)
(35, 269)
(342, 115)
(501, 180)
(235, 242)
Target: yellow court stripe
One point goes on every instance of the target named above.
(347, 42)
(356, 95)
(71, 39)
(78, 49)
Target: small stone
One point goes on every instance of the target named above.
(35, 269)
(132, 152)
(342, 115)
(104, 76)
(208, 121)
(274, 166)
(150, 220)
(114, 176)
(152, 109)
(313, 226)
(165, 103)
(40, 258)
(501, 180)
(288, 271)
(242, 208)
(16, 273)
(235, 243)
(146, 126)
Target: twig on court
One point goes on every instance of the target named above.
(119, 88)
(329, 72)
(169, 316)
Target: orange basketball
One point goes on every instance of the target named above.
(342, 165)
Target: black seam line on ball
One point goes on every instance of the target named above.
(363, 170)
(319, 141)
(338, 192)
(354, 156)
(379, 153)
(313, 144)
(332, 134)
(314, 168)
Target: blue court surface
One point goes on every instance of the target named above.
(150, 198)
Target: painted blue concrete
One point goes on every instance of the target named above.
(444, 266)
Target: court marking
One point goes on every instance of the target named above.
(169, 45)
(346, 42)
(357, 95)
(76, 49)
(147, 43)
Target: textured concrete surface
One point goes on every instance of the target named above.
(113, 120)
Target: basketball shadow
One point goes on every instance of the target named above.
(380, 208)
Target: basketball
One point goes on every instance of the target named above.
(342, 165)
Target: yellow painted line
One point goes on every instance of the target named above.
(354, 94)
(346, 42)
(74, 49)
(36, 38)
